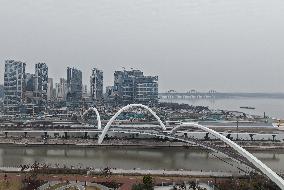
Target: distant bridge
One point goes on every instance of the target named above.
(214, 94)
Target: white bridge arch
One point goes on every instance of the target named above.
(257, 163)
(98, 116)
(106, 128)
(252, 159)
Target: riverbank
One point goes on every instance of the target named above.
(273, 147)
(137, 172)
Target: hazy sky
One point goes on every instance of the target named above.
(227, 45)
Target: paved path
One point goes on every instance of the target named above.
(165, 172)
(170, 187)
(145, 172)
(48, 184)
(79, 186)
(97, 185)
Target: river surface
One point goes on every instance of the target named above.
(129, 158)
(272, 107)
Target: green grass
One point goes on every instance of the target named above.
(10, 185)
(56, 186)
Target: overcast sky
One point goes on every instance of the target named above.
(226, 45)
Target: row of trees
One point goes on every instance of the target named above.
(251, 135)
(148, 184)
(254, 182)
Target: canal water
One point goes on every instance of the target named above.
(129, 158)
(273, 107)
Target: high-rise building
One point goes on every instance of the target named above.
(1, 97)
(133, 87)
(31, 99)
(146, 90)
(1, 91)
(124, 85)
(14, 85)
(96, 84)
(30, 82)
(74, 84)
(85, 89)
(50, 90)
(109, 91)
(41, 83)
(29, 94)
(85, 93)
(61, 90)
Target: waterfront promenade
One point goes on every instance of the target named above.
(141, 172)
(176, 173)
(256, 145)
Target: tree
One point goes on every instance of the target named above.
(206, 136)
(183, 186)
(229, 136)
(273, 137)
(192, 185)
(148, 182)
(138, 187)
(251, 136)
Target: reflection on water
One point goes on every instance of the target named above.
(162, 158)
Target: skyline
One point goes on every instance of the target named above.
(87, 83)
(231, 46)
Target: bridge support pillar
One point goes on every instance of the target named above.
(6, 134)
(25, 134)
(86, 135)
(65, 135)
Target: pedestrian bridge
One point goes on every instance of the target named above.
(239, 154)
(248, 157)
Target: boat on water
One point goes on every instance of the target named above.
(247, 107)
